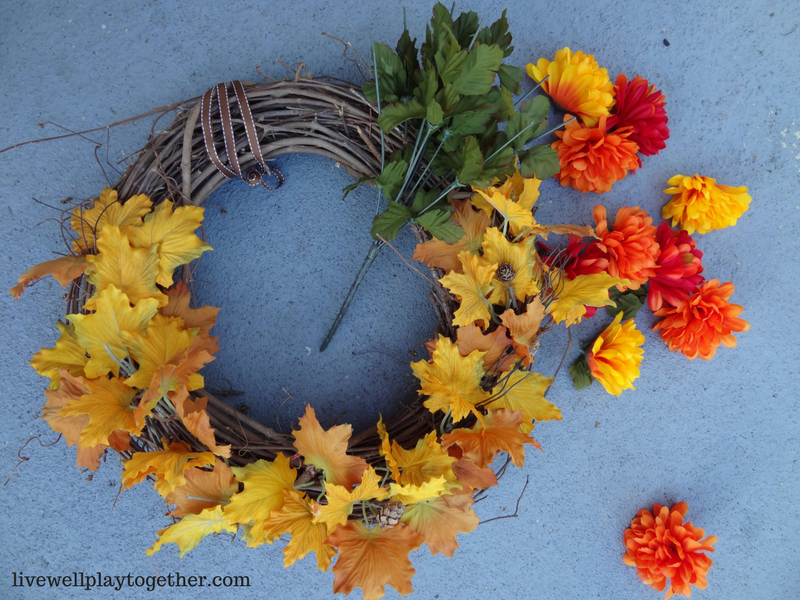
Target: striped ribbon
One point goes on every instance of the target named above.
(254, 175)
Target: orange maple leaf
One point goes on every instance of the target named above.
(500, 353)
(168, 466)
(195, 418)
(471, 476)
(178, 306)
(296, 517)
(264, 482)
(203, 489)
(499, 432)
(523, 328)
(438, 523)
(327, 450)
(108, 406)
(436, 253)
(68, 354)
(63, 270)
(106, 211)
(372, 558)
(118, 264)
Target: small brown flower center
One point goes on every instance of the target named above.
(506, 273)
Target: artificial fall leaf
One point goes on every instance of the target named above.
(372, 558)
(191, 529)
(296, 518)
(327, 450)
(523, 328)
(203, 489)
(426, 461)
(386, 450)
(472, 288)
(264, 482)
(100, 334)
(168, 466)
(436, 253)
(195, 418)
(171, 232)
(519, 256)
(131, 270)
(585, 290)
(576, 230)
(412, 494)
(499, 432)
(524, 391)
(165, 337)
(500, 354)
(108, 405)
(63, 270)
(68, 355)
(519, 218)
(471, 476)
(451, 381)
(439, 523)
(178, 306)
(106, 211)
(341, 500)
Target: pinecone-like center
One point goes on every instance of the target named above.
(391, 513)
(506, 273)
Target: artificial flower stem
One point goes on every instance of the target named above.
(422, 179)
(556, 128)
(412, 164)
(530, 91)
(501, 148)
(374, 250)
(449, 189)
(383, 144)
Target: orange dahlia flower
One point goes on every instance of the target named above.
(576, 83)
(699, 324)
(631, 247)
(615, 356)
(591, 158)
(700, 204)
(660, 545)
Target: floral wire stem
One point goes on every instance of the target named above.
(530, 91)
(383, 142)
(548, 132)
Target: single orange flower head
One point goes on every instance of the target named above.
(661, 546)
(631, 246)
(591, 158)
(577, 83)
(699, 324)
(615, 356)
(701, 204)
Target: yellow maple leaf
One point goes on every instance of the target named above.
(100, 333)
(68, 355)
(195, 418)
(517, 260)
(118, 264)
(438, 523)
(451, 381)
(264, 482)
(296, 518)
(106, 211)
(165, 337)
(412, 494)
(178, 306)
(191, 529)
(386, 450)
(341, 499)
(372, 558)
(172, 233)
(425, 462)
(436, 253)
(108, 405)
(519, 218)
(63, 270)
(524, 391)
(327, 450)
(499, 432)
(472, 288)
(203, 489)
(168, 466)
(584, 290)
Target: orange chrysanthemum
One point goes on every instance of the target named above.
(698, 325)
(631, 247)
(592, 159)
(660, 545)
(615, 356)
(577, 83)
(701, 204)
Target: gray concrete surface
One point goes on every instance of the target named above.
(721, 435)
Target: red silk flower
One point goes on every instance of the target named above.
(678, 268)
(641, 107)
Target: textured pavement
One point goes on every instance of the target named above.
(721, 435)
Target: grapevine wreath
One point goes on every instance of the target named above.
(438, 133)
